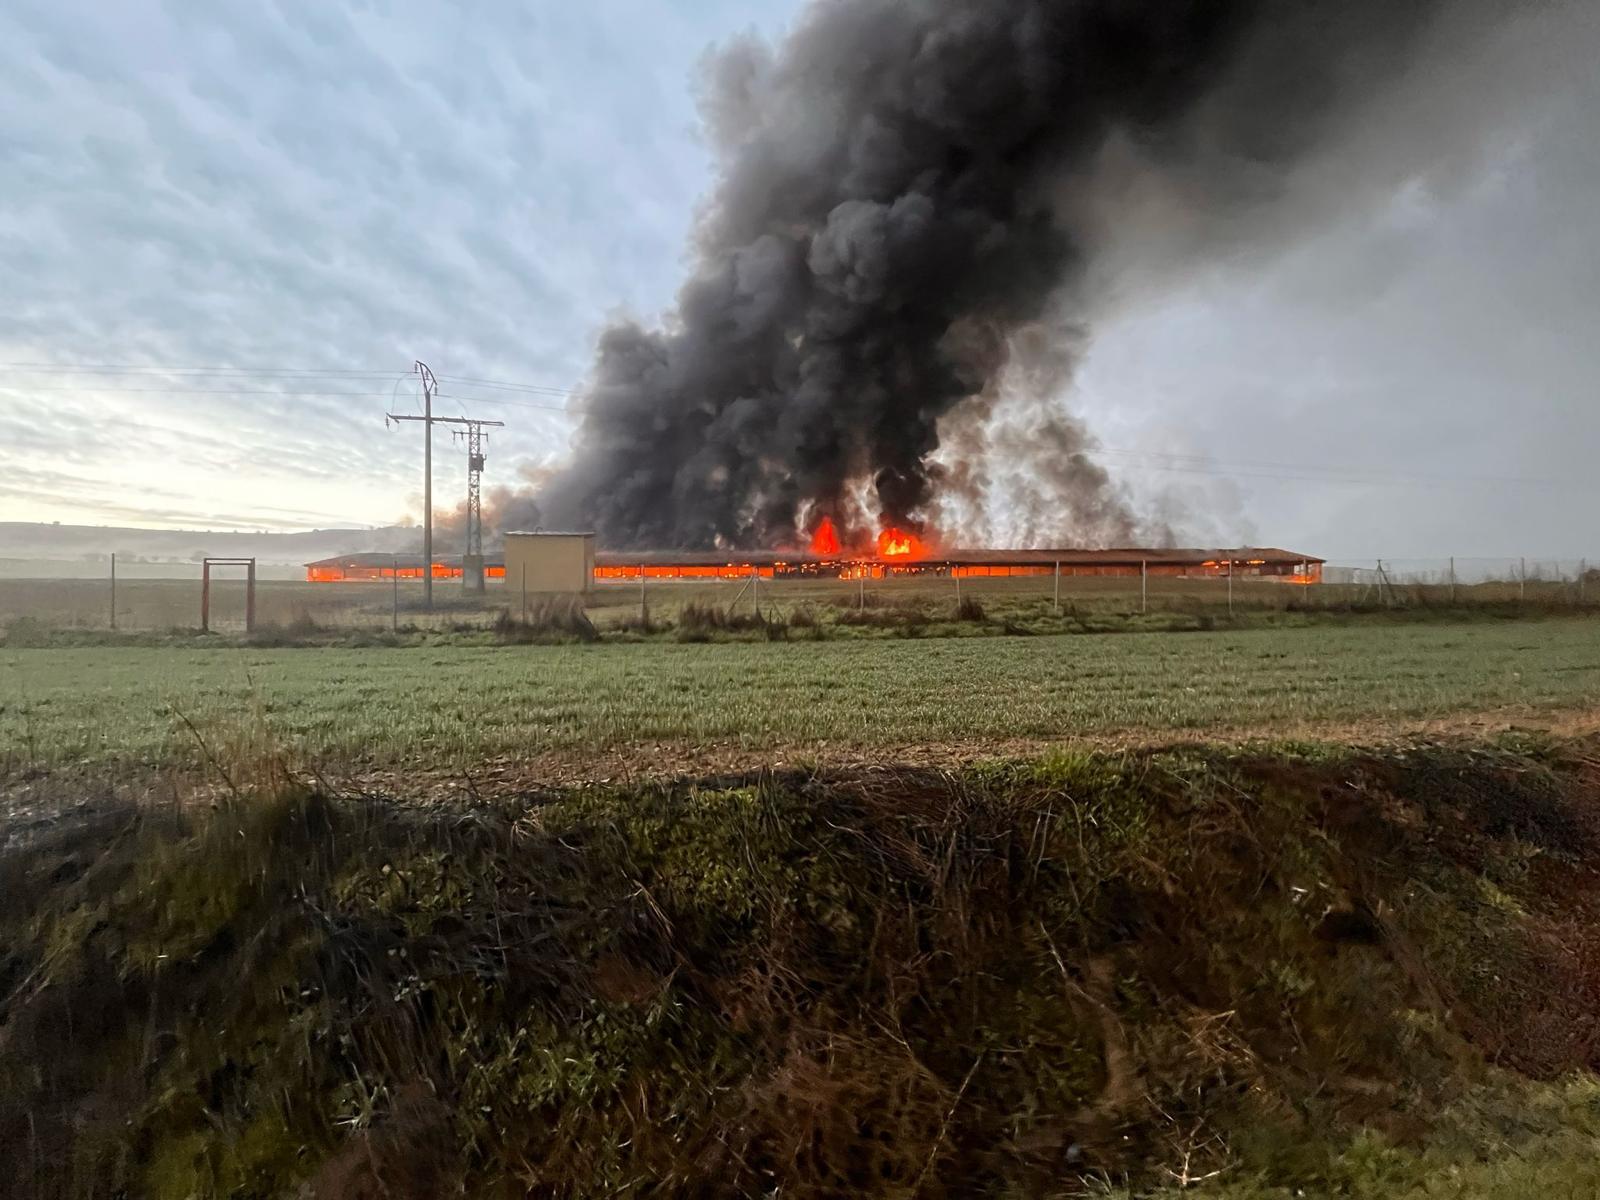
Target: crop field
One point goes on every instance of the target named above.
(448, 705)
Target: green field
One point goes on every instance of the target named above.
(452, 706)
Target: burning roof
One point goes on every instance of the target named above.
(1132, 557)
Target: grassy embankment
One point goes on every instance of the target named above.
(453, 708)
(1299, 975)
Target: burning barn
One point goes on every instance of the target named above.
(899, 552)
(569, 562)
(1283, 566)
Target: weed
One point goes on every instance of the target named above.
(971, 609)
(699, 622)
(551, 619)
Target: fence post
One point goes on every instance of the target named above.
(1144, 587)
(250, 597)
(955, 573)
(1230, 587)
(1522, 582)
(861, 586)
(205, 598)
(644, 611)
(1452, 579)
(1583, 569)
(755, 590)
(394, 615)
(113, 589)
(1057, 600)
(524, 593)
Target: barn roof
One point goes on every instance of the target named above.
(353, 562)
(1124, 557)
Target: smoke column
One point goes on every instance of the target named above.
(907, 199)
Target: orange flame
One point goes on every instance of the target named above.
(897, 543)
(825, 541)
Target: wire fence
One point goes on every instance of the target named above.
(1441, 572)
(1531, 585)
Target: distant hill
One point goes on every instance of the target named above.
(39, 550)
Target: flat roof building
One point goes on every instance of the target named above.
(542, 563)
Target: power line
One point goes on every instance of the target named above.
(1200, 464)
(120, 391)
(558, 408)
(154, 368)
(147, 370)
(515, 387)
(1194, 464)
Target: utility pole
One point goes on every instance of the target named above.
(113, 589)
(472, 563)
(429, 386)
(475, 459)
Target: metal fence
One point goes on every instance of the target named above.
(1464, 572)
(1536, 583)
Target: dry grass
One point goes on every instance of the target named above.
(1286, 973)
(553, 620)
(156, 606)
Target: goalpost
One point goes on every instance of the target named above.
(249, 564)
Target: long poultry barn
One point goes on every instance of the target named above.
(1285, 566)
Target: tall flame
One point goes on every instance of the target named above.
(825, 541)
(897, 543)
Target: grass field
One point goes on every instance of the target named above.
(449, 706)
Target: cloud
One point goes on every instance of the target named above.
(355, 185)
(344, 186)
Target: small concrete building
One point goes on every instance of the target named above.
(545, 562)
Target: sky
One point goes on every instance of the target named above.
(239, 224)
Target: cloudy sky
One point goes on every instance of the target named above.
(240, 223)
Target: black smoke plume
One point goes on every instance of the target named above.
(908, 193)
